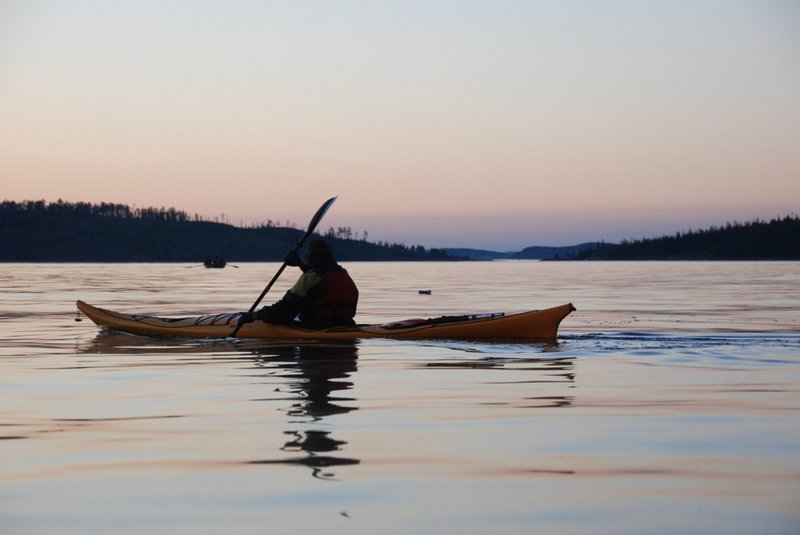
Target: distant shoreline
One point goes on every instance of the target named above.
(40, 232)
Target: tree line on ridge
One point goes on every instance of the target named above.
(777, 239)
(38, 231)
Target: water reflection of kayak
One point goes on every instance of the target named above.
(535, 324)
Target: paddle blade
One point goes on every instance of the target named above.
(319, 215)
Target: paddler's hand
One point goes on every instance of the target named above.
(293, 259)
(245, 318)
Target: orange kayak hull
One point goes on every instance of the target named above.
(535, 325)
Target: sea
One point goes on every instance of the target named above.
(670, 404)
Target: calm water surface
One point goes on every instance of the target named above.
(670, 404)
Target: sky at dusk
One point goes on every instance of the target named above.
(490, 124)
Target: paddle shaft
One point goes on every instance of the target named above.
(311, 226)
(269, 286)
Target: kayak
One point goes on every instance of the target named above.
(535, 324)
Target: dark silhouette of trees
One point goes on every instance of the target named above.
(36, 231)
(778, 239)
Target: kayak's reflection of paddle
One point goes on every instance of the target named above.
(318, 376)
(314, 375)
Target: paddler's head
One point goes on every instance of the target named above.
(319, 253)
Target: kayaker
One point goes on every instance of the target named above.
(323, 296)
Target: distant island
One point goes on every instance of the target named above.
(37, 231)
(778, 239)
(536, 252)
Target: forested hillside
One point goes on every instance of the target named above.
(778, 239)
(37, 231)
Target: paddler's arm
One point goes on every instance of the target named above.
(285, 310)
(289, 306)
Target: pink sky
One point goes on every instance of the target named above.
(484, 124)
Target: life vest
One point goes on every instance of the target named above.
(339, 302)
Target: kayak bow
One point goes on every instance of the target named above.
(535, 324)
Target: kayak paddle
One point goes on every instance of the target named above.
(311, 226)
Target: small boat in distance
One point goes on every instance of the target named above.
(214, 262)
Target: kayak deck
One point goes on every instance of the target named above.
(536, 324)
